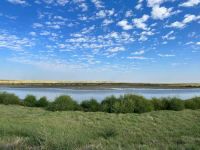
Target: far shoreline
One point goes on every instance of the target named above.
(93, 85)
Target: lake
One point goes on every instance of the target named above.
(100, 94)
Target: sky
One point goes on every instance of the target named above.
(100, 40)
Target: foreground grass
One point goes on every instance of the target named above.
(34, 128)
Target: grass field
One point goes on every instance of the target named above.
(34, 128)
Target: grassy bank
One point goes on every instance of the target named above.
(35, 128)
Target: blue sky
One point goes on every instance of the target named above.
(121, 40)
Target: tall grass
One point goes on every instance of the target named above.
(124, 104)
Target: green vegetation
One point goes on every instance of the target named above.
(63, 103)
(35, 128)
(7, 98)
(124, 104)
(90, 105)
(30, 101)
(42, 102)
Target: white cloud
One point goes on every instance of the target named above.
(161, 12)
(152, 3)
(116, 49)
(177, 24)
(129, 13)
(101, 14)
(140, 22)
(169, 36)
(198, 43)
(187, 19)
(37, 25)
(190, 3)
(105, 13)
(107, 22)
(21, 2)
(166, 55)
(139, 5)
(62, 2)
(83, 6)
(140, 52)
(137, 57)
(125, 25)
(98, 4)
(13, 42)
(33, 33)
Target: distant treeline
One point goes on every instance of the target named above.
(124, 104)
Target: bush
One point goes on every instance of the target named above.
(158, 104)
(108, 104)
(42, 102)
(2, 97)
(90, 105)
(30, 101)
(193, 103)
(139, 103)
(126, 104)
(63, 103)
(7, 98)
(176, 104)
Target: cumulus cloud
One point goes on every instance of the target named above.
(62, 2)
(140, 52)
(21, 2)
(33, 33)
(140, 22)
(187, 19)
(152, 3)
(161, 12)
(129, 13)
(116, 49)
(107, 22)
(105, 13)
(139, 5)
(190, 3)
(37, 25)
(169, 36)
(98, 4)
(14, 42)
(138, 57)
(125, 25)
(166, 55)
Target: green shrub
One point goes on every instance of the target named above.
(176, 104)
(30, 101)
(42, 102)
(107, 105)
(159, 104)
(141, 104)
(127, 104)
(63, 103)
(2, 97)
(90, 105)
(193, 103)
(7, 98)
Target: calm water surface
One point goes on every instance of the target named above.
(80, 94)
